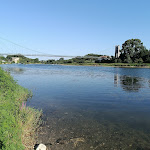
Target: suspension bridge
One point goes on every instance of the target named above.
(40, 55)
(13, 48)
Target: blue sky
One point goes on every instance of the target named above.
(73, 27)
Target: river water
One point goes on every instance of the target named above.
(88, 107)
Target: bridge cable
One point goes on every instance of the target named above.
(21, 45)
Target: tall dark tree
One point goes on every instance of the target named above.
(132, 50)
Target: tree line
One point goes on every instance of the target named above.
(133, 51)
(22, 59)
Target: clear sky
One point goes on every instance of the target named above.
(74, 27)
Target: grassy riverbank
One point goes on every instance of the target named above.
(141, 65)
(17, 121)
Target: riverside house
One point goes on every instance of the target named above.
(15, 59)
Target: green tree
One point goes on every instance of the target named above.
(128, 59)
(36, 60)
(2, 58)
(50, 61)
(132, 49)
(144, 54)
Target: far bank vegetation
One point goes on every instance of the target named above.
(133, 53)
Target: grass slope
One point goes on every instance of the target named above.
(17, 122)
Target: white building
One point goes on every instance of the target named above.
(117, 51)
(15, 59)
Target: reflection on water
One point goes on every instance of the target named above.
(15, 70)
(89, 108)
(128, 83)
(116, 80)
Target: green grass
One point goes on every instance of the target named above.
(111, 64)
(14, 116)
(126, 64)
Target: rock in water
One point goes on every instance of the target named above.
(41, 147)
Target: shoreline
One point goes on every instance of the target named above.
(18, 122)
(115, 66)
(97, 65)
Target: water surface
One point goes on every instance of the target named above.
(87, 107)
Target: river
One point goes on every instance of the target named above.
(89, 107)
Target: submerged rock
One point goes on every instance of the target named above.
(41, 147)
